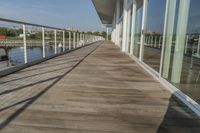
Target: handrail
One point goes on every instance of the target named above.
(31, 24)
(75, 40)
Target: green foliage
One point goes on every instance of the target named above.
(103, 33)
(10, 32)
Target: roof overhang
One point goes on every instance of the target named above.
(105, 9)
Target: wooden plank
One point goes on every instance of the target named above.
(105, 92)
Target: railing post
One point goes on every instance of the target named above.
(25, 46)
(155, 45)
(152, 41)
(160, 42)
(81, 39)
(74, 38)
(63, 41)
(198, 47)
(55, 41)
(186, 44)
(43, 43)
(69, 40)
(77, 39)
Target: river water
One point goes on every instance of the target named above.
(16, 54)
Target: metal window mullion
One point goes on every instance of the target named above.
(164, 38)
(133, 27)
(144, 19)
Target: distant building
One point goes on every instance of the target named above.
(22, 35)
(71, 29)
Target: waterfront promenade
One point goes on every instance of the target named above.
(95, 89)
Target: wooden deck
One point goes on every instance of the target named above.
(96, 89)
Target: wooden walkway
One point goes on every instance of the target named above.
(96, 89)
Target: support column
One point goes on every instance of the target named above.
(125, 25)
(128, 31)
(144, 19)
(180, 40)
(134, 8)
(117, 21)
(169, 36)
(25, 45)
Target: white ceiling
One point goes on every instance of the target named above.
(105, 10)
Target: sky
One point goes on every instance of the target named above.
(79, 14)
(156, 16)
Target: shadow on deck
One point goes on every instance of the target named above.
(96, 89)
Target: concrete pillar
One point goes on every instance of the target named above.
(117, 21)
(128, 32)
(134, 8)
(180, 40)
(125, 25)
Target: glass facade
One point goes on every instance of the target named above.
(129, 29)
(137, 32)
(154, 33)
(177, 35)
(181, 65)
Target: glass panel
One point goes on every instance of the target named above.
(130, 29)
(49, 42)
(120, 33)
(11, 45)
(153, 37)
(34, 43)
(181, 65)
(59, 41)
(138, 26)
(121, 7)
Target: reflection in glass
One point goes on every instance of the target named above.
(181, 63)
(154, 35)
(138, 25)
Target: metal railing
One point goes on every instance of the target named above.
(26, 42)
